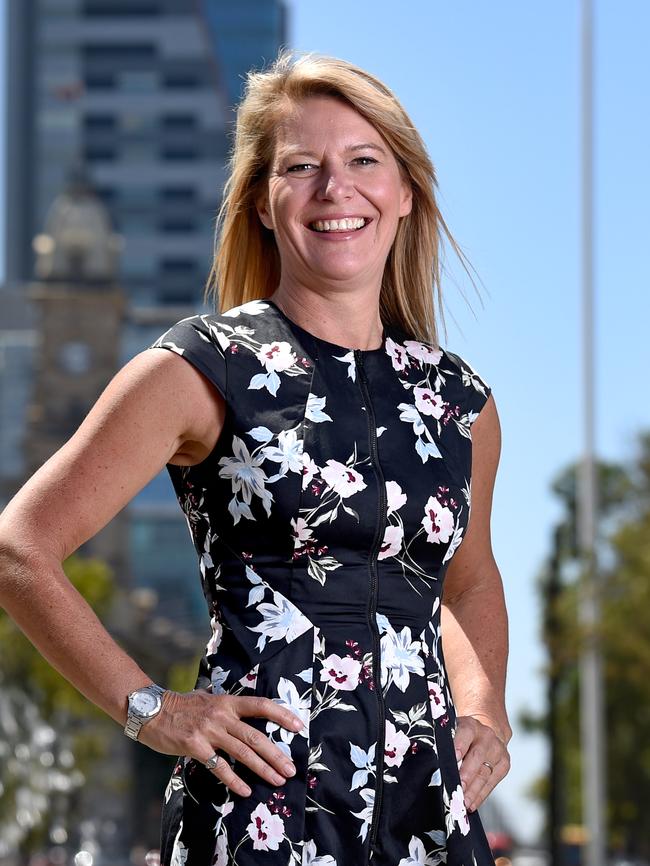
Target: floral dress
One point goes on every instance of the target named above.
(324, 520)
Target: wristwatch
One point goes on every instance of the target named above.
(144, 705)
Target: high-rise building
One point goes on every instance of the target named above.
(140, 93)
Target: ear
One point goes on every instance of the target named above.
(262, 207)
(406, 198)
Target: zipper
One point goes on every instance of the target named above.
(372, 608)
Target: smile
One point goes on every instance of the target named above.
(349, 225)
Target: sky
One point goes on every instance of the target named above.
(494, 88)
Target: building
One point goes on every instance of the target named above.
(140, 93)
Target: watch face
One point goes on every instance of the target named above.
(145, 703)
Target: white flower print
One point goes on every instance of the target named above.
(368, 796)
(426, 449)
(438, 521)
(309, 857)
(392, 543)
(428, 402)
(248, 478)
(423, 352)
(341, 673)
(400, 657)
(396, 745)
(457, 812)
(250, 308)
(315, 407)
(342, 479)
(276, 357)
(288, 453)
(289, 698)
(417, 855)
(179, 851)
(265, 829)
(348, 359)
(217, 634)
(282, 620)
(365, 764)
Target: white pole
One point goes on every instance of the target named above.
(591, 693)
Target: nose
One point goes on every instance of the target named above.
(335, 184)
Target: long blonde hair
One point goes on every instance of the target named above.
(246, 264)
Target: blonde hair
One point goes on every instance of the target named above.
(246, 264)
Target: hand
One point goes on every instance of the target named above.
(476, 742)
(198, 723)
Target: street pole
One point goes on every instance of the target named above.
(591, 693)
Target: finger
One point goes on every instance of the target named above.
(485, 781)
(224, 772)
(464, 737)
(269, 709)
(253, 748)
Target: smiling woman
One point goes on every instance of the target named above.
(327, 453)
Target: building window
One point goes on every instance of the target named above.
(178, 153)
(180, 81)
(100, 154)
(100, 82)
(100, 121)
(111, 10)
(177, 265)
(183, 226)
(178, 121)
(177, 193)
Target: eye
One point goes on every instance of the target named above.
(301, 166)
(368, 158)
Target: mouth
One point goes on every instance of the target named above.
(343, 226)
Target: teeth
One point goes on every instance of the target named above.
(338, 225)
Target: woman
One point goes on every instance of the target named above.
(323, 448)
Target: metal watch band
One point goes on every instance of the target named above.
(134, 722)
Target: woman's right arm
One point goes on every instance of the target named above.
(157, 409)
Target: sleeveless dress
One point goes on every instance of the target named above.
(324, 521)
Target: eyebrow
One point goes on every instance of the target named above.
(290, 151)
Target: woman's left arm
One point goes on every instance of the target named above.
(475, 629)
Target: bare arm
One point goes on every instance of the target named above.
(156, 409)
(474, 618)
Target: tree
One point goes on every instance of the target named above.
(624, 573)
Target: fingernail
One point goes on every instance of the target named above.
(289, 768)
(457, 754)
(298, 724)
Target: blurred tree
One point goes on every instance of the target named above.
(49, 733)
(624, 559)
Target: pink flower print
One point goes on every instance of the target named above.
(458, 811)
(265, 830)
(392, 543)
(422, 352)
(438, 521)
(342, 479)
(301, 532)
(276, 357)
(397, 354)
(428, 402)
(341, 673)
(396, 498)
(309, 469)
(436, 701)
(396, 745)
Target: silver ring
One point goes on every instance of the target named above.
(212, 762)
(489, 766)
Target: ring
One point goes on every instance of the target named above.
(212, 762)
(489, 766)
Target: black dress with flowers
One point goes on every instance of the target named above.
(324, 521)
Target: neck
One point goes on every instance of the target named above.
(343, 318)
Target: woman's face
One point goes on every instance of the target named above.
(330, 163)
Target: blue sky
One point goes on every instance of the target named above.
(495, 90)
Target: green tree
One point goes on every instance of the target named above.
(50, 734)
(624, 573)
